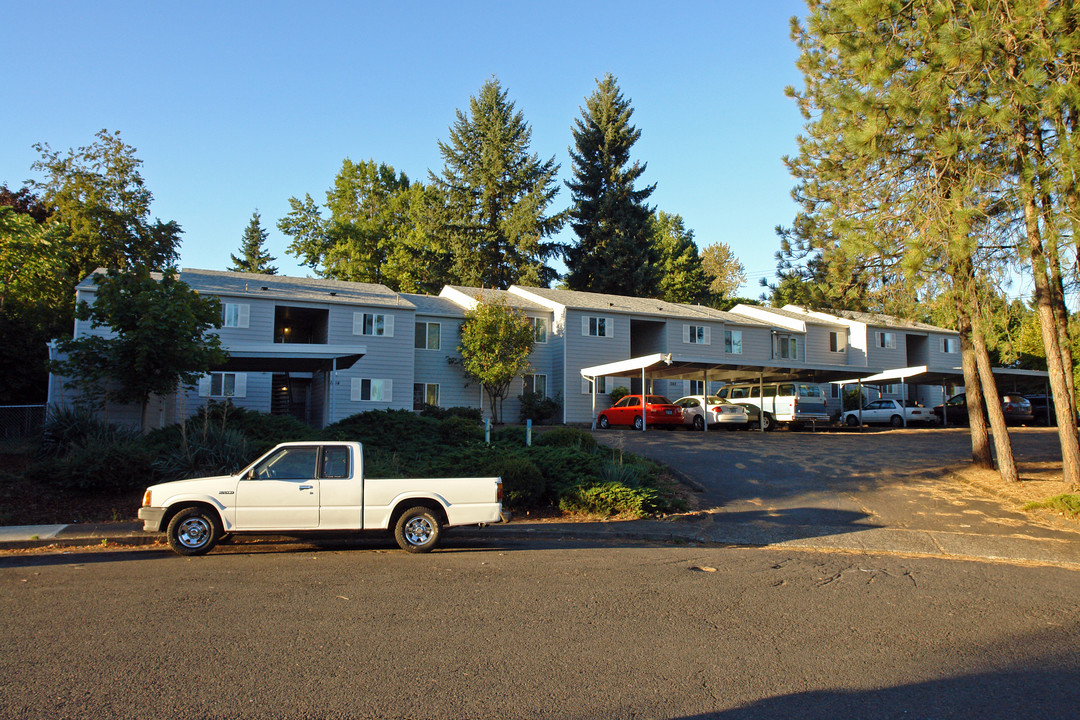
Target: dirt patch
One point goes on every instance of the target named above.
(1038, 481)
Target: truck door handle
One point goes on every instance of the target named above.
(305, 487)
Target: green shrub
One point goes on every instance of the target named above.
(385, 428)
(611, 498)
(537, 407)
(214, 451)
(618, 393)
(119, 464)
(68, 428)
(510, 435)
(438, 413)
(621, 474)
(457, 430)
(566, 437)
(565, 467)
(262, 430)
(523, 483)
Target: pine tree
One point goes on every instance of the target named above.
(496, 196)
(614, 252)
(254, 257)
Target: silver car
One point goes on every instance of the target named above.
(720, 412)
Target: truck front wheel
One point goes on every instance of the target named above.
(193, 531)
(417, 530)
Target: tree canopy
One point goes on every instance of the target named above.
(495, 344)
(613, 253)
(496, 195)
(254, 257)
(161, 338)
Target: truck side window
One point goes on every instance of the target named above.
(291, 463)
(335, 462)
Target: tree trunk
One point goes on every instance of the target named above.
(981, 454)
(1059, 386)
(1006, 463)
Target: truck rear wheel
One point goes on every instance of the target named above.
(417, 530)
(767, 423)
(193, 531)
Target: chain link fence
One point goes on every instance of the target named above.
(21, 421)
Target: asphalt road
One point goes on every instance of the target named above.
(534, 631)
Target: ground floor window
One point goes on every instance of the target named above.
(223, 385)
(373, 389)
(601, 386)
(425, 394)
(697, 387)
(534, 384)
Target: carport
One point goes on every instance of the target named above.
(922, 375)
(666, 366)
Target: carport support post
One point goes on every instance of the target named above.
(860, 405)
(333, 387)
(592, 382)
(903, 401)
(761, 402)
(944, 404)
(705, 399)
(644, 400)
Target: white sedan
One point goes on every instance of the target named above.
(890, 412)
(721, 412)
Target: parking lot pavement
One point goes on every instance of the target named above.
(854, 487)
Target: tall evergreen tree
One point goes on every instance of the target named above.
(254, 256)
(614, 252)
(496, 196)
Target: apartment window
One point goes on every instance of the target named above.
(696, 335)
(534, 384)
(597, 326)
(371, 389)
(733, 342)
(837, 342)
(835, 390)
(950, 345)
(375, 324)
(223, 385)
(787, 348)
(235, 315)
(890, 390)
(697, 387)
(425, 394)
(601, 386)
(428, 335)
(540, 329)
(886, 340)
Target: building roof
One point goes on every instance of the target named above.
(888, 321)
(283, 287)
(490, 294)
(434, 305)
(600, 302)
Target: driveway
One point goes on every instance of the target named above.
(799, 485)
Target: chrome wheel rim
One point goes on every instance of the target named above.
(193, 533)
(418, 531)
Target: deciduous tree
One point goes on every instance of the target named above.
(495, 344)
(723, 271)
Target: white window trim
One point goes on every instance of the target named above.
(886, 340)
(427, 386)
(358, 324)
(602, 386)
(357, 386)
(547, 329)
(841, 341)
(243, 315)
(729, 340)
(692, 333)
(946, 342)
(535, 375)
(609, 326)
(427, 335)
(239, 385)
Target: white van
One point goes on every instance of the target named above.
(791, 403)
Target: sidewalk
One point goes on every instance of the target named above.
(1061, 549)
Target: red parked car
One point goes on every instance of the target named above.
(658, 411)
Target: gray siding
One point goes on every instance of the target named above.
(388, 358)
(584, 351)
(432, 366)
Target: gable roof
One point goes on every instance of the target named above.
(600, 302)
(887, 321)
(283, 287)
(434, 305)
(466, 296)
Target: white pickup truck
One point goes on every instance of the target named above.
(315, 486)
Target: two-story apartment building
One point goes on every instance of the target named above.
(323, 350)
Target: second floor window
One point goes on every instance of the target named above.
(733, 342)
(950, 345)
(597, 326)
(696, 334)
(376, 324)
(428, 335)
(787, 348)
(886, 340)
(540, 329)
(837, 342)
(235, 315)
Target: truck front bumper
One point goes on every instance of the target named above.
(151, 517)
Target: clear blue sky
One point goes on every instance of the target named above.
(234, 106)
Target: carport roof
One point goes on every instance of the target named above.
(678, 367)
(291, 357)
(922, 375)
